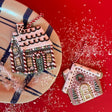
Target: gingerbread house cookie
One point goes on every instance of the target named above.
(82, 83)
(31, 50)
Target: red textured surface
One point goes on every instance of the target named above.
(76, 22)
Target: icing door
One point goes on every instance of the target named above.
(86, 93)
(40, 63)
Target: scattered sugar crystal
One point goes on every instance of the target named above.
(89, 10)
(84, 5)
(34, 102)
(65, 5)
(99, 2)
(110, 52)
(59, 12)
(110, 84)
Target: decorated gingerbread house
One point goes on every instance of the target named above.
(31, 50)
(82, 83)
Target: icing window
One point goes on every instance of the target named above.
(17, 60)
(15, 50)
(30, 63)
(49, 58)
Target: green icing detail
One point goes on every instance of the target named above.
(40, 65)
(80, 77)
(49, 46)
(74, 94)
(27, 50)
(97, 88)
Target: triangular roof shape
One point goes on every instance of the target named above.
(31, 37)
(89, 71)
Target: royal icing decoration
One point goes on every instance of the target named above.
(31, 50)
(82, 83)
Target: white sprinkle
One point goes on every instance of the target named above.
(84, 5)
(110, 84)
(99, 2)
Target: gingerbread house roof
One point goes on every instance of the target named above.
(31, 37)
(89, 71)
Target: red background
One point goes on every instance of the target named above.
(76, 21)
